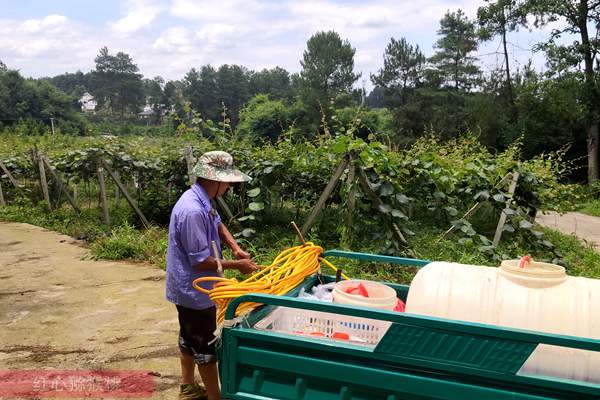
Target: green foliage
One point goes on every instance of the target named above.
(126, 242)
(159, 100)
(424, 190)
(581, 22)
(210, 90)
(497, 17)
(117, 84)
(580, 259)
(549, 106)
(327, 68)
(364, 123)
(402, 70)
(590, 208)
(32, 103)
(74, 84)
(452, 60)
(264, 119)
(275, 82)
(399, 81)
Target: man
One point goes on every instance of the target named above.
(194, 225)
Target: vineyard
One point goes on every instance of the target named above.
(453, 200)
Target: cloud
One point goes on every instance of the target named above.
(141, 14)
(53, 23)
(174, 40)
(219, 10)
(34, 38)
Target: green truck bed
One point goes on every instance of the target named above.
(418, 357)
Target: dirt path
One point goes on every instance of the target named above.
(585, 227)
(61, 311)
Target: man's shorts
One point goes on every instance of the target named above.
(196, 333)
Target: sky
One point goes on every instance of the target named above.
(169, 37)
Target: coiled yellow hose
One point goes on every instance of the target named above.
(286, 272)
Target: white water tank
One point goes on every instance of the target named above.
(539, 297)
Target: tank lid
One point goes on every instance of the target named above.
(533, 274)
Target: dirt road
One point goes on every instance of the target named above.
(59, 310)
(585, 227)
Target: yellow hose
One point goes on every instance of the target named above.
(286, 272)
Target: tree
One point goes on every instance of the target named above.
(264, 119)
(169, 97)
(35, 102)
(499, 17)
(117, 82)
(212, 92)
(153, 92)
(327, 68)
(452, 59)
(580, 18)
(399, 79)
(200, 88)
(275, 82)
(402, 71)
(74, 84)
(233, 90)
(376, 98)
(367, 124)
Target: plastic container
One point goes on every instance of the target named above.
(380, 295)
(316, 324)
(539, 297)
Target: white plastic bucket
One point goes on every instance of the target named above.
(380, 295)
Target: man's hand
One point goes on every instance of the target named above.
(241, 255)
(246, 266)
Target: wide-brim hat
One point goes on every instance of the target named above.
(218, 166)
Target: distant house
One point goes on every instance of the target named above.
(147, 111)
(88, 103)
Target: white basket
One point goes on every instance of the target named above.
(362, 331)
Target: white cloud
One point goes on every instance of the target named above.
(219, 10)
(213, 37)
(33, 38)
(141, 14)
(53, 22)
(176, 39)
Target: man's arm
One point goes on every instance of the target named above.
(199, 250)
(229, 240)
(244, 265)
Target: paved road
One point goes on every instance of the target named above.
(61, 310)
(585, 227)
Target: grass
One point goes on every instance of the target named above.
(590, 208)
(123, 241)
(126, 242)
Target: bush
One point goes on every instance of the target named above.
(364, 123)
(263, 119)
(126, 242)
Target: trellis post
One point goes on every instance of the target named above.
(101, 184)
(125, 194)
(325, 195)
(503, 216)
(60, 184)
(2, 202)
(43, 182)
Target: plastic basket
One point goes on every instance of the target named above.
(321, 325)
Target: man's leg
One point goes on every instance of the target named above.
(196, 342)
(210, 377)
(187, 367)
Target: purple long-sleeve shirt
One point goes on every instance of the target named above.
(194, 225)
